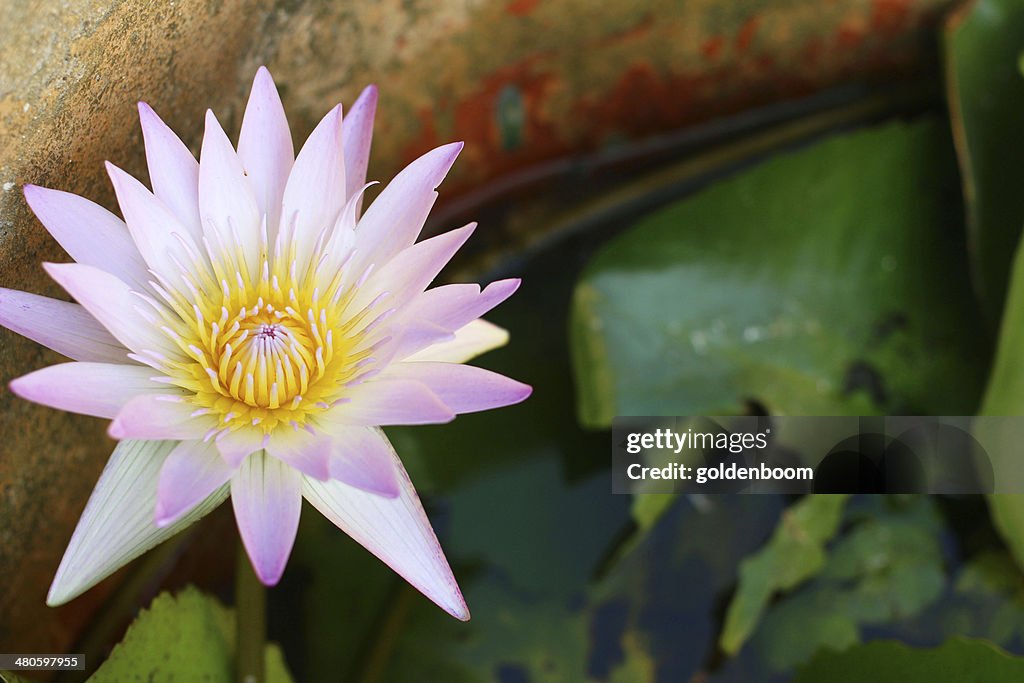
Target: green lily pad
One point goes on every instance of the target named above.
(1005, 396)
(986, 101)
(886, 569)
(957, 661)
(827, 281)
(795, 553)
(183, 637)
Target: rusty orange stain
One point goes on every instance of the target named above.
(745, 34)
(712, 47)
(643, 98)
(475, 120)
(850, 35)
(521, 8)
(633, 32)
(890, 16)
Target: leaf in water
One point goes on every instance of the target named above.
(794, 630)
(795, 553)
(957, 661)
(552, 535)
(623, 626)
(183, 637)
(535, 541)
(885, 570)
(991, 589)
(827, 281)
(986, 102)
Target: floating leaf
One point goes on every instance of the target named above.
(887, 568)
(794, 554)
(183, 637)
(827, 281)
(957, 661)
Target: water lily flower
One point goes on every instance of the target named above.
(249, 331)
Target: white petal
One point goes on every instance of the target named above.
(163, 241)
(413, 269)
(356, 136)
(89, 233)
(267, 497)
(234, 445)
(265, 147)
(111, 303)
(97, 389)
(308, 453)
(315, 193)
(453, 306)
(155, 416)
(64, 327)
(389, 402)
(463, 388)
(173, 171)
(396, 530)
(192, 473)
(117, 525)
(396, 217)
(363, 457)
(433, 316)
(226, 201)
(470, 341)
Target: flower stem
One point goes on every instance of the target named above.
(250, 621)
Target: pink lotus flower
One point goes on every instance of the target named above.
(248, 333)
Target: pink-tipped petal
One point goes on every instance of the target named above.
(267, 497)
(97, 389)
(413, 269)
(435, 314)
(173, 171)
(463, 388)
(64, 327)
(453, 306)
(89, 233)
(112, 303)
(396, 217)
(412, 335)
(308, 453)
(192, 473)
(117, 525)
(315, 193)
(156, 417)
(478, 337)
(159, 236)
(364, 458)
(396, 530)
(384, 402)
(356, 137)
(227, 203)
(236, 444)
(265, 147)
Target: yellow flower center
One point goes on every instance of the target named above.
(273, 350)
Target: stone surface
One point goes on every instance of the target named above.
(521, 81)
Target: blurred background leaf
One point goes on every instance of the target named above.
(1005, 396)
(957, 661)
(825, 281)
(983, 43)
